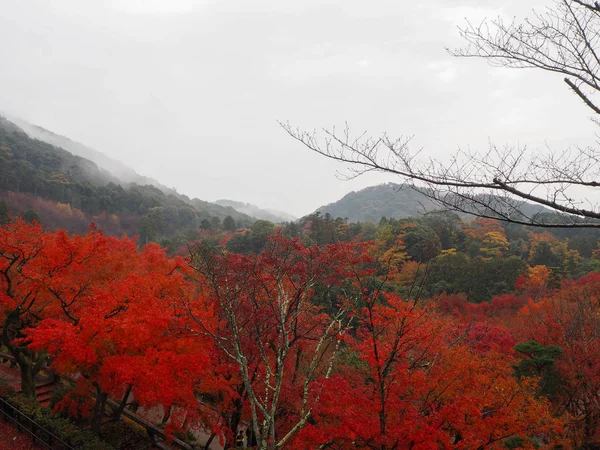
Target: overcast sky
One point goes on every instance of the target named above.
(189, 91)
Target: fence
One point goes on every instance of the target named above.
(27, 425)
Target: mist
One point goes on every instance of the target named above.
(189, 93)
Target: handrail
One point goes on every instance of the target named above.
(151, 429)
(25, 423)
(156, 434)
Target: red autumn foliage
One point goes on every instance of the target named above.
(282, 338)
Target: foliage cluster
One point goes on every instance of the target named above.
(276, 338)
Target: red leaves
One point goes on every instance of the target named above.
(105, 311)
(568, 318)
(259, 330)
(425, 386)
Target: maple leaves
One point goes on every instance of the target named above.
(280, 337)
(119, 334)
(569, 320)
(423, 381)
(280, 341)
(103, 311)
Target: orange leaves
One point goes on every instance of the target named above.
(568, 318)
(535, 282)
(426, 384)
(491, 235)
(105, 311)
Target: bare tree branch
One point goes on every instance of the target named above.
(511, 184)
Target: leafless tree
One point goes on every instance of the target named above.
(503, 182)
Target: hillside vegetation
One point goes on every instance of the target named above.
(70, 191)
(375, 202)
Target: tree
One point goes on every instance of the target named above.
(566, 327)
(215, 223)
(281, 343)
(114, 330)
(31, 216)
(4, 214)
(22, 298)
(539, 362)
(564, 39)
(229, 224)
(42, 275)
(416, 381)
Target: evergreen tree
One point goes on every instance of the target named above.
(31, 216)
(3, 212)
(229, 224)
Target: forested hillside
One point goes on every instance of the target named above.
(375, 202)
(478, 257)
(401, 201)
(67, 191)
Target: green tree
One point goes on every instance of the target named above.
(31, 216)
(422, 243)
(215, 224)
(538, 361)
(229, 224)
(4, 215)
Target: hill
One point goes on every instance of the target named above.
(115, 168)
(259, 213)
(385, 200)
(68, 191)
(397, 201)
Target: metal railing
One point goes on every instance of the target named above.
(29, 426)
(38, 433)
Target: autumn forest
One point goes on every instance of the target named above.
(459, 309)
(429, 332)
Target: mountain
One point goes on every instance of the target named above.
(69, 191)
(385, 200)
(254, 211)
(394, 200)
(117, 169)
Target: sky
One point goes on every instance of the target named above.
(190, 92)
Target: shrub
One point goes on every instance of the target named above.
(126, 436)
(6, 390)
(59, 393)
(81, 439)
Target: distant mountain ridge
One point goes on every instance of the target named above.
(116, 168)
(384, 200)
(259, 213)
(69, 191)
(400, 202)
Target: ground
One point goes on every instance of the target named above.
(11, 376)
(11, 439)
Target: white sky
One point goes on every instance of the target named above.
(189, 91)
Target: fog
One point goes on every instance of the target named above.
(189, 92)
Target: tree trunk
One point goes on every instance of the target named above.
(210, 439)
(27, 380)
(167, 415)
(236, 416)
(98, 413)
(117, 414)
